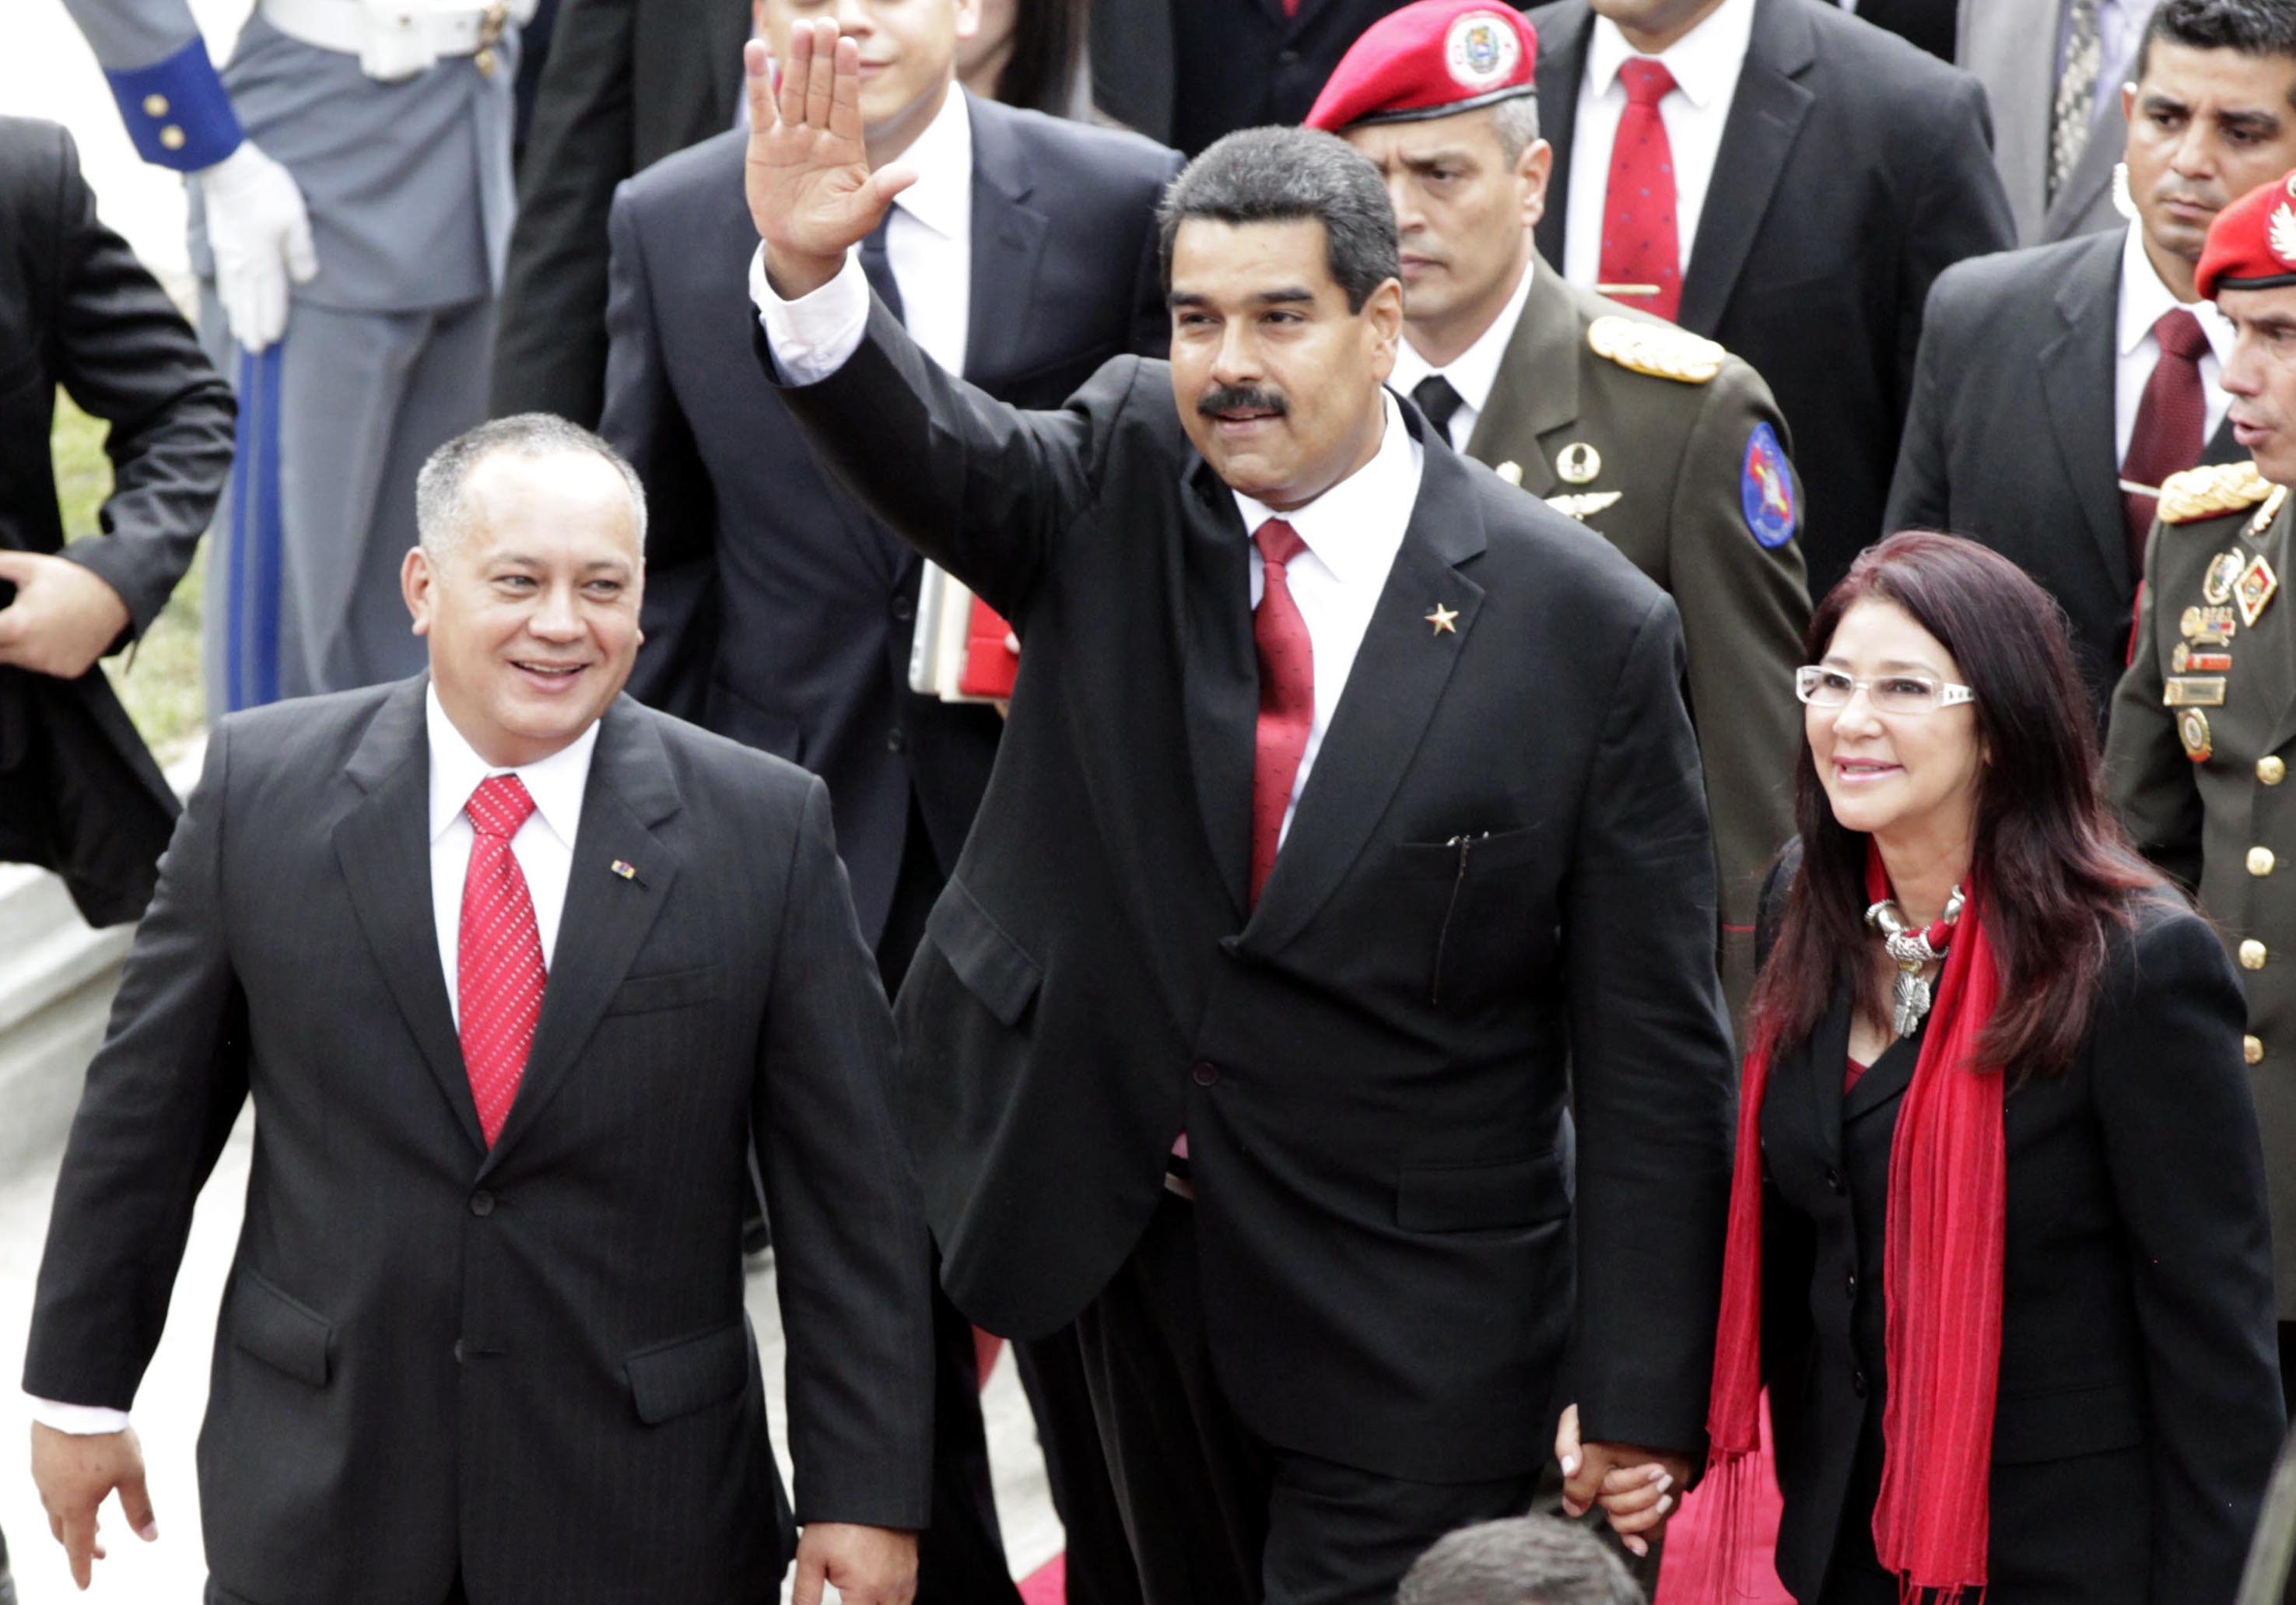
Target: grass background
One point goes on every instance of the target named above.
(160, 680)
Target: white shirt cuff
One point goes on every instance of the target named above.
(81, 1421)
(813, 335)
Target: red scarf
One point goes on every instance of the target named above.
(1941, 1277)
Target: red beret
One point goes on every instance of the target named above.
(1430, 59)
(2252, 243)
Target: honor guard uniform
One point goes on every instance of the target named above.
(351, 206)
(1657, 440)
(2202, 735)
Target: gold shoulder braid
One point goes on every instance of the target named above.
(1658, 349)
(2210, 492)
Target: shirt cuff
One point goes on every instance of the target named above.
(81, 1421)
(815, 335)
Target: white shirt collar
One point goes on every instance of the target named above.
(1704, 61)
(1476, 369)
(2145, 297)
(941, 157)
(555, 783)
(1378, 495)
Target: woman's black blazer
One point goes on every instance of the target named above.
(2139, 1408)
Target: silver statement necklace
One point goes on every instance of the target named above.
(1911, 951)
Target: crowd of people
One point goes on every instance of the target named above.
(1486, 760)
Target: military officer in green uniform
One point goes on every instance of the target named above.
(1656, 440)
(2202, 733)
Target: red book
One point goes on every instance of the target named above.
(991, 658)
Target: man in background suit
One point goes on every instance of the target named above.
(784, 614)
(2052, 381)
(515, 970)
(1331, 879)
(1654, 438)
(1824, 174)
(2053, 70)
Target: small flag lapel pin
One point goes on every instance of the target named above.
(626, 869)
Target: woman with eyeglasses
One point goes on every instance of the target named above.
(1997, 1241)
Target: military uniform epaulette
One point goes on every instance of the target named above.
(1658, 349)
(2211, 491)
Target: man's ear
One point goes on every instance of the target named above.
(1382, 311)
(1533, 170)
(418, 582)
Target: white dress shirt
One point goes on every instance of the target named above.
(1475, 370)
(1705, 63)
(2143, 298)
(544, 847)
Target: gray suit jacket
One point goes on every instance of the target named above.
(2011, 47)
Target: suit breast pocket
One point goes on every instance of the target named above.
(1485, 890)
(670, 989)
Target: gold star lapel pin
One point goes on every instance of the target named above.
(1441, 619)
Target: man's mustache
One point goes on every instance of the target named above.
(1238, 399)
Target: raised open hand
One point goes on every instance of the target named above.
(811, 193)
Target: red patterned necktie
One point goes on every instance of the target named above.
(498, 960)
(2170, 421)
(1640, 243)
(1287, 695)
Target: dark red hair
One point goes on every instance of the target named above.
(2055, 866)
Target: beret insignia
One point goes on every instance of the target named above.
(1658, 349)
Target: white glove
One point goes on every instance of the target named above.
(260, 235)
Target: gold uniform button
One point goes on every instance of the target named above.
(2260, 861)
(2251, 954)
(172, 137)
(2251, 1048)
(2271, 771)
(484, 61)
(155, 105)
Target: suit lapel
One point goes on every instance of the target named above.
(2092, 174)
(1562, 63)
(2078, 370)
(1829, 1063)
(1765, 117)
(1885, 1080)
(607, 915)
(1220, 673)
(1008, 236)
(384, 845)
(1398, 677)
(1537, 390)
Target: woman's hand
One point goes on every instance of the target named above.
(1637, 1488)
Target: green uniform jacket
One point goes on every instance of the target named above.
(2202, 787)
(1675, 452)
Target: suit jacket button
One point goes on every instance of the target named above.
(904, 609)
(898, 740)
(1834, 1178)
(482, 1203)
(1858, 1383)
(1853, 1284)
(460, 1357)
(1205, 1072)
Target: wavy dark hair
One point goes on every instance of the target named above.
(2054, 869)
(1047, 45)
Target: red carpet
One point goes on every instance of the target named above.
(1691, 1536)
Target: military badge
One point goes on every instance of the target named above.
(1585, 504)
(2254, 589)
(1481, 50)
(1766, 490)
(1577, 463)
(2185, 660)
(2192, 731)
(2193, 690)
(2208, 626)
(2280, 234)
(2223, 574)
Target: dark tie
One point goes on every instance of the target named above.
(498, 972)
(1287, 695)
(2170, 419)
(2074, 109)
(879, 267)
(1438, 401)
(1641, 252)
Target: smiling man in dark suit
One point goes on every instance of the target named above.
(1822, 173)
(1348, 795)
(2051, 380)
(515, 970)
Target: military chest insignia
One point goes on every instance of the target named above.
(2184, 659)
(1585, 504)
(1765, 489)
(2208, 626)
(1577, 463)
(1444, 619)
(2223, 574)
(1512, 473)
(2255, 589)
(2193, 690)
(2192, 731)
(2211, 492)
(1660, 350)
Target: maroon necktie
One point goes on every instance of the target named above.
(498, 962)
(1287, 695)
(2170, 420)
(1640, 243)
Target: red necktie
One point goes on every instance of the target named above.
(498, 961)
(2170, 420)
(1640, 244)
(1287, 695)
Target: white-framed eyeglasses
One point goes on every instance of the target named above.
(1903, 692)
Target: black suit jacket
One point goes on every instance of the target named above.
(1927, 23)
(2010, 437)
(628, 83)
(1500, 861)
(530, 1361)
(778, 611)
(2139, 1409)
(1853, 170)
(78, 793)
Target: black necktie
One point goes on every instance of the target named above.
(879, 267)
(1438, 401)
